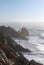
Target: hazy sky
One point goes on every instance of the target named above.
(21, 10)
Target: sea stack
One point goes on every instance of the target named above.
(24, 32)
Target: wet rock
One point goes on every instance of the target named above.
(15, 46)
(20, 48)
(32, 62)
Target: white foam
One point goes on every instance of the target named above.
(40, 47)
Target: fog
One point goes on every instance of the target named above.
(39, 25)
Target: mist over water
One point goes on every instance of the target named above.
(29, 14)
(28, 25)
(36, 41)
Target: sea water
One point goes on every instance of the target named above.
(35, 44)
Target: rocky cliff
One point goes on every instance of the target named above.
(9, 55)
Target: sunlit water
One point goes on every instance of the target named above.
(36, 45)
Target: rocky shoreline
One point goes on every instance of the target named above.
(13, 33)
(10, 54)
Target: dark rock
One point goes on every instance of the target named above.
(20, 48)
(10, 53)
(11, 32)
(24, 32)
(15, 46)
(2, 38)
(3, 58)
(21, 60)
(32, 62)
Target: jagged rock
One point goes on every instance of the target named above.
(18, 60)
(11, 32)
(16, 47)
(24, 32)
(3, 58)
(32, 62)
(10, 53)
(20, 48)
(21, 60)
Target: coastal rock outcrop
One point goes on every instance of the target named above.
(32, 62)
(15, 46)
(11, 32)
(24, 32)
(10, 55)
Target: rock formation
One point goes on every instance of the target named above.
(11, 32)
(24, 32)
(10, 56)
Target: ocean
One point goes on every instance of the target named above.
(35, 44)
